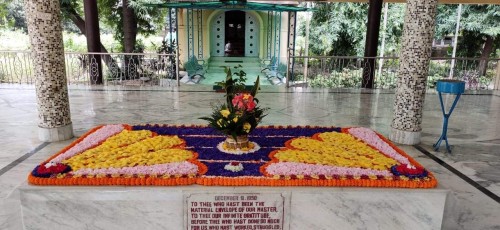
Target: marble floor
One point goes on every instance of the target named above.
(471, 173)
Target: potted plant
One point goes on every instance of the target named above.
(239, 116)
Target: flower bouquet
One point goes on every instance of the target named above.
(240, 114)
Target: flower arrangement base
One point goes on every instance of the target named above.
(240, 146)
(241, 142)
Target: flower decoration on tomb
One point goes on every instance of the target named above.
(181, 155)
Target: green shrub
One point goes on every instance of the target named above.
(347, 78)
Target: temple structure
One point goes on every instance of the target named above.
(256, 35)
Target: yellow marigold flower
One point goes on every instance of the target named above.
(225, 113)
(246, 96)
(235, 119)
(246, 127)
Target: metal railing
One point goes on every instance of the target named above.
(322, 71)
(347, 72)
(82, 68)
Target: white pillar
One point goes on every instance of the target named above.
(455, 41)
(418, 31)
(45, 32)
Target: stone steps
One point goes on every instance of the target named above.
(248, 63)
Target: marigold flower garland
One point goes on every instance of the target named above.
(287, 156)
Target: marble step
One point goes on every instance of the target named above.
(220, 65)
(232, 59)
(168, 207)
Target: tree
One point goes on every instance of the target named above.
(3, 14)
(340, 28)
(394, 30)
(12, 15)
(126, 22)
(129, 18)
(479, 27)
(71, 10)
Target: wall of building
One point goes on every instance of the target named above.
(209, 15)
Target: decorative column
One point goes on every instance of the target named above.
(418, 31)
(45, 32)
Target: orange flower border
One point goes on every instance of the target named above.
(266, 180)
(108, 180)
(396, 181)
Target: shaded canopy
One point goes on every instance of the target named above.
(238, 5)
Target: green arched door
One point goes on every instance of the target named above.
(217, 36)
(251, 36)
(250, 45)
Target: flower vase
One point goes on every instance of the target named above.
(240, 142)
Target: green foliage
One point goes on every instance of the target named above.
(339, 29)
(149, 20)
(476, 23)
(167, 61)
(432, 80)
(394, 30)
(470, 44)
(346, 78)
(481, 18)
(438, 69)
(74, 42)
(232, 85)
(240, 114)
(12, 15)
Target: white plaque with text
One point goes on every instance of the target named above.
(233, 211)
